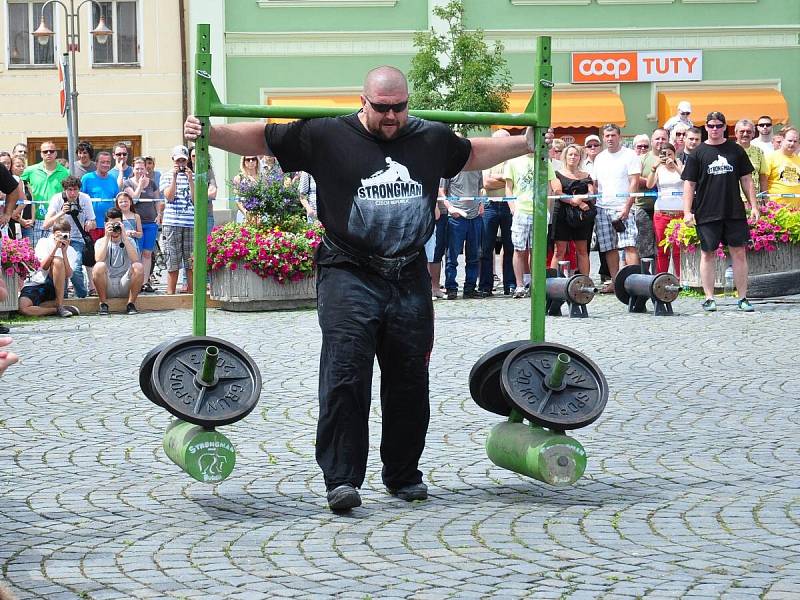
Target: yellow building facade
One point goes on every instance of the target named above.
(130, 89)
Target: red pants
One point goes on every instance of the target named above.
(571, 256)
(660, 222)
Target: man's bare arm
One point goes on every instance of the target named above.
(245, 139)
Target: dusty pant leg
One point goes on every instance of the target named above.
(350, 306)
(403, 354)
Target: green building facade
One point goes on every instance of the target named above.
(744, 54)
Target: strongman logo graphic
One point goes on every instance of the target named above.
(392, 185)
(720, 166)
(212, 465)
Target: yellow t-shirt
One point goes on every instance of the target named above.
(520, 171)
(783, 177)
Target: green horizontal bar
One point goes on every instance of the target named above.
(310, 112)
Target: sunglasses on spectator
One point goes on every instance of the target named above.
(765, 124)
(680, 134)
(592, 145)
(120, 154)
(685, 114)
(48, 151)
(250, 158)
(715, 125)
(642, 146)
(384, 108)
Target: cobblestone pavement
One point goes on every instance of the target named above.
(691, 488)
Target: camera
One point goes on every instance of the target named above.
(663, 154)
(116, 227)
(182, 169)
(73, 208)
(618, 225)
(61, 236)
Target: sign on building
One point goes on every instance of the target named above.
(667, 65)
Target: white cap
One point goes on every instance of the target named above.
(591, 137)
(180, 152)
(684, 106)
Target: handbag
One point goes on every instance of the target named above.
(575, 217)
(88, 245)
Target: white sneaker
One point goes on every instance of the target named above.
(437, 294)
(519, 292)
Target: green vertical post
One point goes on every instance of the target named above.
(202, 110)
(209, 364)
(540, 105)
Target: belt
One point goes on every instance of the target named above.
(670, 213)
(388, 268)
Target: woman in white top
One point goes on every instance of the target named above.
(248, 170)
(666, 176)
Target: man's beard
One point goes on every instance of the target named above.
(378, 131)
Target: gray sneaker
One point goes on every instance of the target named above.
(103, 310)
(73, 309)
(63, 311)
(409, 493)
(343, 497)
(710, 305)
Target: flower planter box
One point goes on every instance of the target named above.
(12, 285)
(786, 258)
(240, 290)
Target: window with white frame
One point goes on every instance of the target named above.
(123, 46)
(23, 49)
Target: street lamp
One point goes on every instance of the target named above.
(44, 34)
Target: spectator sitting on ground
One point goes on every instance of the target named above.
(57, 260)
(76, 207)
(117, 272)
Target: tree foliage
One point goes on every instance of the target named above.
(457, 70)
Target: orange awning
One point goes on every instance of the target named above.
(577, 109)
(331, 101)
(735, 104)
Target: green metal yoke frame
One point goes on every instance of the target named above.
(537, 115)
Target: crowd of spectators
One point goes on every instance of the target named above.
(96, 232)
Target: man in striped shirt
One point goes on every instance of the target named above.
(177, 186)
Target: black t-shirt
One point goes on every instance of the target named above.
(7, 182)
(717, 170)
(375, 196)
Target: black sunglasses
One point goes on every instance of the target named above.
(592, 145)
(715, 125)
(384, 108)
(765, 124)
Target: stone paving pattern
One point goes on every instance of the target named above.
(691, 489)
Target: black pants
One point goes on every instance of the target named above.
(363, 315)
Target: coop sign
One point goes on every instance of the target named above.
(614, 67)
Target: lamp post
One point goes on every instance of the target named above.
(101, 33)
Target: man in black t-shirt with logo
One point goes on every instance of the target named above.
(712, 176)
(377, 174)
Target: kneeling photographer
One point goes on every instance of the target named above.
(117, 272)
(57, 260)
(76, 208)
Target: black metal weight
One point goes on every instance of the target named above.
(205, 380)
(634, 285)
(146, 373)
(576, 290)
(484, 379)
(554, 385)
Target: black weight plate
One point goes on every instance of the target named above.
(579, 403)
(146, 373)
(484, 379)
(231, 398)
(619, 282)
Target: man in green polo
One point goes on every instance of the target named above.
(44, 180)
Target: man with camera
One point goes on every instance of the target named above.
(177, 185)
(76, 207)
(57, 260)
(117, 272)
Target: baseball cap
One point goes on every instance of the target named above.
(590, 138)
(180, 152)
(684, 106)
